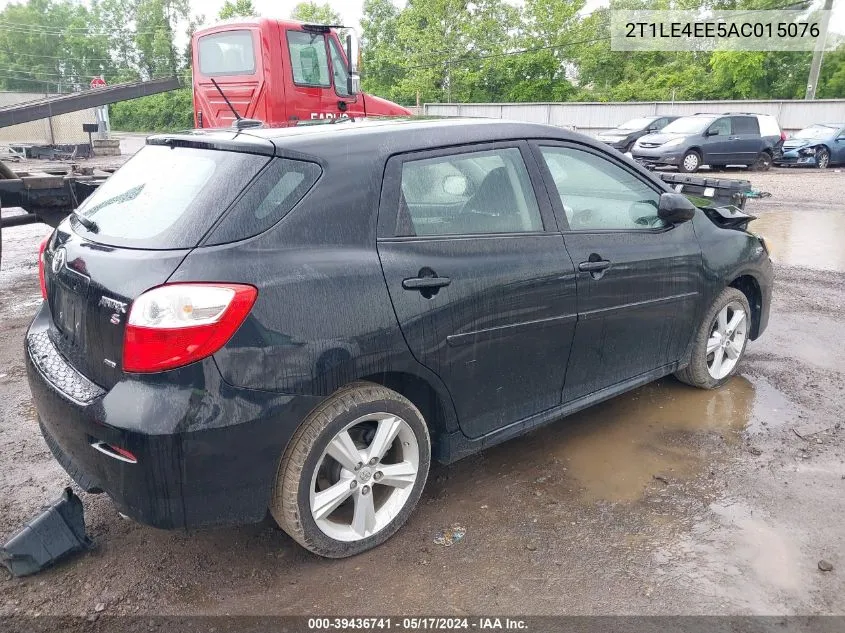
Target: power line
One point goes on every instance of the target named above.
(74, 31)
(98, 59)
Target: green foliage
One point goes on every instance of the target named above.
(428, 50)
(165, 112)
(315, 13)
(238, 8)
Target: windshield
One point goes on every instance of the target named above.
(688, 125)
(816, 131)
(636, 124)
(166, 197)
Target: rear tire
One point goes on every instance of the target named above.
(763, 162)
(690, 162)
(719, 342)
(366, 501)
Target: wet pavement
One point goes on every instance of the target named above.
(663, 500)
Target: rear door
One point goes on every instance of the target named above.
(230, 59)
(746, 142)
(637, 279)
(146, 218)
(481, 284)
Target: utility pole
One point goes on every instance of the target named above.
(818, 54)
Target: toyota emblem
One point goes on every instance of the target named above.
(58, 261)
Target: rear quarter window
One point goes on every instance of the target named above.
(167, 197)
(277, 190)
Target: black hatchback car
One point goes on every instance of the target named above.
(301, 319)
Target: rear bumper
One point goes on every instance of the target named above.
(207, 453)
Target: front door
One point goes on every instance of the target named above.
(318, 76)
(479, 278)
(637, 278)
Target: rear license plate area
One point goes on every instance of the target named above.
(69, 305)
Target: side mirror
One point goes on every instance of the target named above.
(711, 132)
(353, 81)
(675, 208)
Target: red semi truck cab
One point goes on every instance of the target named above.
(279, 72)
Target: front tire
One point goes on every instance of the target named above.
(822, 158)
(690, 162)
(353, 471)
(720, 341)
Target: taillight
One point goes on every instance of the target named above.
(782, 135)
(178, 324)
(41, 279)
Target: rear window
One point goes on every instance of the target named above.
(281, 185)
(166, 198)
(228, 53)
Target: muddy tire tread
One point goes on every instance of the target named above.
(696, 374)
(284, 505)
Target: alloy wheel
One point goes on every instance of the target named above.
(727, 340)
(364, 477)
(822, 159)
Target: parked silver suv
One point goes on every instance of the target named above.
(717, 140)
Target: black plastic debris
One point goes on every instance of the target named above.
(54, 534)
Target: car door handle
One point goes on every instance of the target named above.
(594, 267)
(425, 283)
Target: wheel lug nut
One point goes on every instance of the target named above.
(365, 490)
(359, 465)
(353, 484)
(378, 475)
(373, 461)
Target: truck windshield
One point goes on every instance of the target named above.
(166, 198)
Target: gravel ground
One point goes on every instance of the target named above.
(665, 500)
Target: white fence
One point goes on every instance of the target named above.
(592, 118)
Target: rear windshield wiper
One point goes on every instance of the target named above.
(88, 224)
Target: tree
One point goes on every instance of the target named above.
(238, 8)
(315, 13)
(382, 69)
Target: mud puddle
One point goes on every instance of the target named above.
(807, 238)
(659, 434)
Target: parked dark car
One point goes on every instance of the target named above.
(717, 140)
(820, 145)
(623, 136)
(300, 319)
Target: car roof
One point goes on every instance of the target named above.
(379, 136)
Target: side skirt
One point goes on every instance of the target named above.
(458, 445)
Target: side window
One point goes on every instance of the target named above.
(597, 194)
(477, 192)
(308, 59)
(745, 125)
(277, 190)
(722, 127)
(339, 70)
